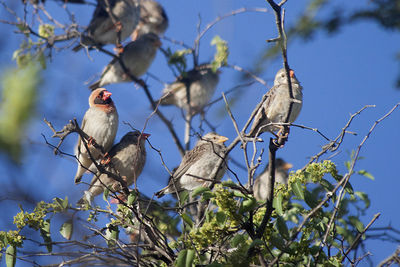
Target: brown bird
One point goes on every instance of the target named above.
(202, 82)
(276, 106)
(196, 164)
(281, 176)
(100, 123)
(137, 58)
(127, 159)
(152, 19)
(102, 30)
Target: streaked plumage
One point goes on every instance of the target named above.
(202, 82)
(276, 106)
(99, 122)
(127, 159)
(137, 58)
(102, 30)
(152, 19)
(200, 162)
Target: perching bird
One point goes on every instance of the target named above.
(127, 159)
(276, 106)
(152, 19)
(137, 58)
(103, 29)
(202, 82)
(196, 164)
(99, 123)
(281, 176)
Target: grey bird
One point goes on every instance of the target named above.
(202, 81)
(137, 58)
(127, 159)
(276, 106)
(281, 176)
(196, 164)
(100, 123)
(104, 30)
(152, 19)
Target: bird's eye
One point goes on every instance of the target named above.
(282, 75)
(100, 95)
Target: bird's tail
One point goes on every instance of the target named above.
(95, 85)
(87, 198)
(77, 48)
(161, 193)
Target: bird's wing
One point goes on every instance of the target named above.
(190, 157)
(101, 18)
(260, 117)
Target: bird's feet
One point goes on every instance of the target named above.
(91, 141)
(118, 49)
(106, 159)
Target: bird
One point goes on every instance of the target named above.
(275, 108)
(127, 159)
(152, 19)
(137, 58)
(202, 81)
(198, 162)
(100, 123)
(104, 29)
(261, 185)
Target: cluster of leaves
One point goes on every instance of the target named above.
(38, 220)
(225, 238)
(225, 235)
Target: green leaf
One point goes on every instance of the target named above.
(207, 195)
(282, 228)
(112, 234)
(349, 188)
(310, 199)
(183, 196)
(298, 189)
(187, 220)
(45, 233)
(277, 203)
(131, 198)
(18, 97)
(247, 205)
(327, 185)
(221, 218)
(181, 259)
(106, 192)
(366, 174)
(237, 239)
(277, 242)
(356, 223)
(66, 229)
(257, 242)
(189, 258)
(364, 197)
(239, 194)
(11, 256)
(199, 190)
(215, 264)
(229, 183)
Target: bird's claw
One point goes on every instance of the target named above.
(106, 159)
(91, 141)
(118, 49)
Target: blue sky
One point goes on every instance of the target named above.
(340, 74)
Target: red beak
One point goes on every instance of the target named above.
(106, 95)
(145, 135)
(291, 73)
